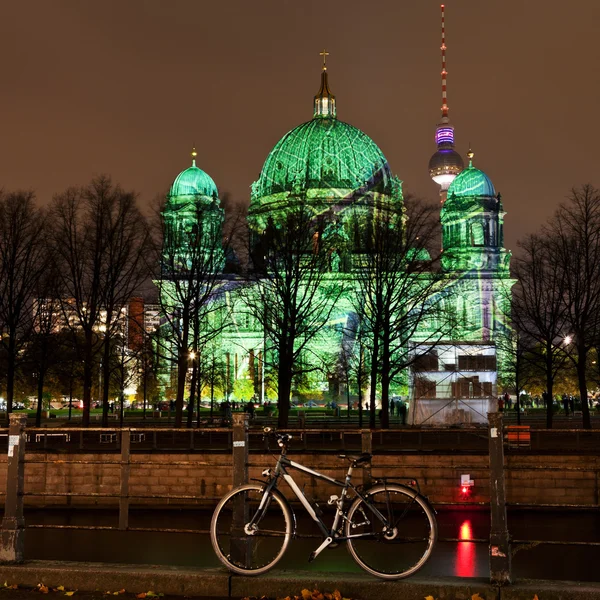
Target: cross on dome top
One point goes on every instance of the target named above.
(324, 54)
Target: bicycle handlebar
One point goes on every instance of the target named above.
(282, 438)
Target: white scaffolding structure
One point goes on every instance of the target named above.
(452, 383)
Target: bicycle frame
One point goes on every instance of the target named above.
(330, 534)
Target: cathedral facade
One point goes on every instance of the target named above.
(343, 177)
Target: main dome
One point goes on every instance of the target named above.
(323, 154)
(193, 182)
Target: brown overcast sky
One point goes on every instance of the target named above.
(125, 87)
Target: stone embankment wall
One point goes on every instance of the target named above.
(200, 479)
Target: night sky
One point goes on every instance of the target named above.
(125, 87)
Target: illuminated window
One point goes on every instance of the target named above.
(477, 236)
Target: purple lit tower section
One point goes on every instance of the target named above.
(446, 163)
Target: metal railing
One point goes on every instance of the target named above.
(242, 442)
(463, 440)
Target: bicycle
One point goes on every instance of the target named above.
(253, 524)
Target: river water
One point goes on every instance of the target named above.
(458, 559)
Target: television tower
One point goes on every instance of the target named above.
(446, 163)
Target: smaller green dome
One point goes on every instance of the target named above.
(471, 182)
(194, 182)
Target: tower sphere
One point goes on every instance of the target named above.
(445, 165)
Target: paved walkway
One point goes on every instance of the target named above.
(217, 583)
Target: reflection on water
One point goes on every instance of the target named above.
(462, 559)
(465, 551)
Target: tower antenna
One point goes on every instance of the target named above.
(444, 72)
(446, 163)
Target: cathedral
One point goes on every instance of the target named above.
(341, 173)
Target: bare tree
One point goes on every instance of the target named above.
(538, 309)
(399, 292)
(99, 238)
(46, 349)
(124, 270)
(291, 292)
(23, 260)
(575, 235)
(192, 257)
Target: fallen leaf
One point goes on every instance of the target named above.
(143, 595)
(535, 597)
(60, 588)
(430, 598)
(151, 594)
(476, 596)
(306, 595)
(337, 595)
(69, 593)
(42, 588)
(14, 586)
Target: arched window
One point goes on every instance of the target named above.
(477, 236)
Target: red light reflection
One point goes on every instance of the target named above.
(465, 553)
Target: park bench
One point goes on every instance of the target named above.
(518, 436)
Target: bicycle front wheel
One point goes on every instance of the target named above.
(403, 546)
(247, 537)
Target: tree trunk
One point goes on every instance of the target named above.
(212, 396)
(549, 386)
(348, 401)
(181, 375)
(106, 382)
(87, 379)
(200, 375)
(582, 381)
(190, 415)
(145, 387)
(359, 382)
(182, 364)
(40, 395)
(517, 385)
(10, 376)
(385, 386)
(284, 388)
(71, 390)
(374, 373)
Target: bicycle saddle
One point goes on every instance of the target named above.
(365, 457)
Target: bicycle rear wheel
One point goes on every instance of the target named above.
(251, 549)
(404, 547)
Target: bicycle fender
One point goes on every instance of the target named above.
(380, 487)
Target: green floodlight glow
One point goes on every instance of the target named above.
(471, 182)
(344, 179)
(322, 154)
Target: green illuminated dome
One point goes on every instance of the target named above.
(194, 182)
(471, 182)
(324, 153)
